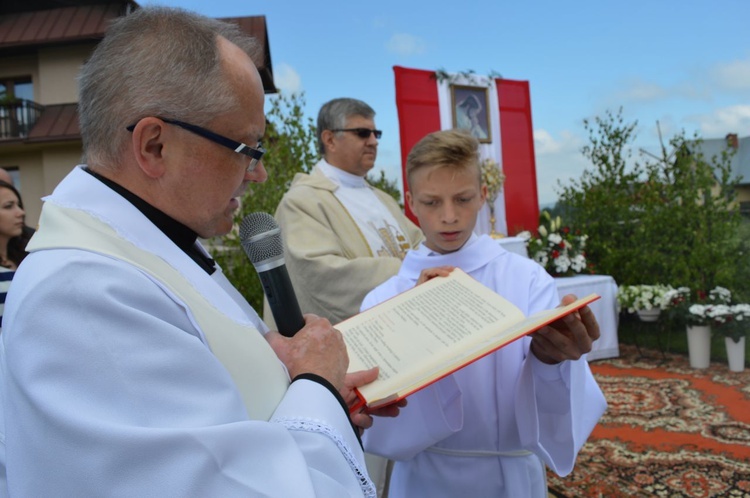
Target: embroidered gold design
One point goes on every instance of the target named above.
(394, 242)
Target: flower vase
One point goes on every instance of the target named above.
(651, 315)
(735, 354)
(699, 345)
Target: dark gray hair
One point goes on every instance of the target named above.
(334, 113)
(157, 61)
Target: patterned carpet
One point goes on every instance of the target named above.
(670, 431)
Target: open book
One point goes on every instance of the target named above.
(432, 330)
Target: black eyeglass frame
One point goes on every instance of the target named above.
(254, 153)
(362, 132)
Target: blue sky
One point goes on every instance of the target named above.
(685, 64)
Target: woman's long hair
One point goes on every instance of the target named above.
(17, 245)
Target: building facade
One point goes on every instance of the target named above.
(42, 48)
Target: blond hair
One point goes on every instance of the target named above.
(453, 149)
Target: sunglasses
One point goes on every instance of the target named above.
(362, 132)
(254, 153)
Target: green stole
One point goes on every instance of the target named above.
(257, 372)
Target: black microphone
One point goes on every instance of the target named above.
(260, 237)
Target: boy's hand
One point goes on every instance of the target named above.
(430, 273)
(568, 338)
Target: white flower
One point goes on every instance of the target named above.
(741, 311)
(699, 310)
(541, 258)
(556, 247)
(525, 235)
(578, 263)
(720, 295)
(562, 264)
(643, 297)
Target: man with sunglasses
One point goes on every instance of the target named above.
(129, 365)
(343, 236)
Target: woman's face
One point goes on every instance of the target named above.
(11, 214)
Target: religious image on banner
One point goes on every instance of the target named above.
(497, 111)
(471, 111)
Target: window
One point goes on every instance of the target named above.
(20, 88)
(18, 111)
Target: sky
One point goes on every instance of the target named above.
(682, 64)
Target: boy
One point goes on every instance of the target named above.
(488, 429)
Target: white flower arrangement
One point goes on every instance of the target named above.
(560, 250)
(730, 320)
(644, 297)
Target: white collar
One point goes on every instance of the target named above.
(341, 177)
(426, 251)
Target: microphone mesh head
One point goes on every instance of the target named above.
(260, 237)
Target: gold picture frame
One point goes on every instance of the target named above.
(470, 106)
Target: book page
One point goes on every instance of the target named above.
(417, 331)
(434, 329)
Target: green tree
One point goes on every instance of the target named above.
(389, 186)
(601, 202)
(670, 219)
(691, 215)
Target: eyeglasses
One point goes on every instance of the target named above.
(362, 132)
(254, 153)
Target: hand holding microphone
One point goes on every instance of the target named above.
(260, 237)
(319, 348)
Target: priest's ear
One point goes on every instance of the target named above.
(151, 143)
(328, 138)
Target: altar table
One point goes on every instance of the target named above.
(514, 244)
(605, 309)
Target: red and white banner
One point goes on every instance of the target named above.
(425, 105)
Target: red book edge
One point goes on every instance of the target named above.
(362, 403)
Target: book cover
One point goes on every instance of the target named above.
(430, 331)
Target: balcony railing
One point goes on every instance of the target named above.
(18, 117)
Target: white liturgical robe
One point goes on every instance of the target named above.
(486, 429)
(113, 386)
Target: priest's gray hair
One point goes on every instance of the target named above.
(334, 113)
(156, 61)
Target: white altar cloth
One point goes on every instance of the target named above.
(514, 244)
(605, 309)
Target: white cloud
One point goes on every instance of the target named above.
(733, 75)
(406, 44)
(732, 119)
(287, 79)
(700, 84)
(638, 90)
(556, 160)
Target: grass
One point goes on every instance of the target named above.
(668, 337)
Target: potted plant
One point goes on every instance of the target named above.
(645, 300)
(697, 311)
(558, 248)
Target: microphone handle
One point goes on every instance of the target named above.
(282, 300)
